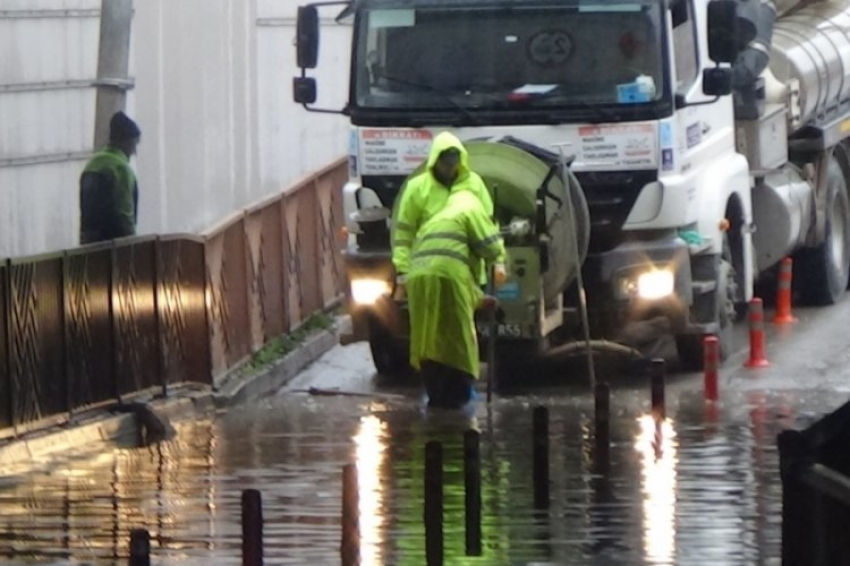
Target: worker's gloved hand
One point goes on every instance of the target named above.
(518, 227)
(488, 303)
(500, 274)
(400, 292)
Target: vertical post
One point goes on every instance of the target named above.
(113, 327)
(492, 326)
(602, 427)
(350, 548)
(798, 519)
(711, 361)
(252, 528)
(541, 457)
(657, 371)
(434, 503)
(140, 547)
(758, 351)
(783, 293)
(157, 288)
(113, 63)
(6, 359)
(472, 491)
(66, 337)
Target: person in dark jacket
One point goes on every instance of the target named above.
(109, 194)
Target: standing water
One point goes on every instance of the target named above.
(699, 488)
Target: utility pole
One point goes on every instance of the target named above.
(116, 23)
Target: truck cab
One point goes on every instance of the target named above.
(635, 97)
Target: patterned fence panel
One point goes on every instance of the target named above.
(264, 231)
(39, 380)
(305, 292)
(88, 329)
(85, 326)
(138, 359)
(332, 275)
(227, 281)
(182, 303)
(5, 373)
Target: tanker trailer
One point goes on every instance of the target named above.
(792, 109)
(536, 198)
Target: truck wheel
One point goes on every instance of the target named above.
(690, 346)
(513, 362)
(390, 353)
(824, 271)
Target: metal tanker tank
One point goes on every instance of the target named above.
(812, 45)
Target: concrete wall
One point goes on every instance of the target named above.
(213, 98)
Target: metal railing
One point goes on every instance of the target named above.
(815, 470)
(89, 326)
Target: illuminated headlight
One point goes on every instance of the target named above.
(368, 291)
(655, 284)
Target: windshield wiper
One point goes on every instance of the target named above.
(446, 95)
(603, 112)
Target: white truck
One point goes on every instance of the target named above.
(708, 138)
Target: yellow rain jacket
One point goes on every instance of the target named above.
(442, 287)
(423, 196)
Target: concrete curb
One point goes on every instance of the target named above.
(236, 391)
(112, 428)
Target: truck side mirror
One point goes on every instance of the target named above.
(723, 31)
(304, 90)
(717, 81)
(307, 37)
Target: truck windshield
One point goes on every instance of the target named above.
(578, 56)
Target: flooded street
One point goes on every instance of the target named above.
(702, 489)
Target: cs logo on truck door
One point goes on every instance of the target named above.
(550, 48)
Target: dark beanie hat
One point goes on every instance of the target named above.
(121, 127)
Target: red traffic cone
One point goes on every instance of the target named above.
(758, 357)
(783, 293)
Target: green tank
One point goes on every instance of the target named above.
(515, 173)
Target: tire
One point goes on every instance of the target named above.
(513, 362)
(389, 353)
(824, 271)
(690, 346)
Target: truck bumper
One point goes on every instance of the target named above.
(611, 281)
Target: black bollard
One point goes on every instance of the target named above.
(252, 528)
(541, 458)
(657, 371)
(434, 503)
(602, 427)
(350, 548)
(140, 547)
(472, 486)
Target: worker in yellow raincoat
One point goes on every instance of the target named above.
(443, 294)
(446, 170)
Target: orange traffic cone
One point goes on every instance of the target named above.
(758, 357)
(783, 294)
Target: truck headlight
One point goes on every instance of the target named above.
(368, 291)
(655, 284)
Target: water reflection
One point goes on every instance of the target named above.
(656, 444)
(370, 442)
(672, 493)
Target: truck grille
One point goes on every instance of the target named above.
(386, 187)
(610, 197)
